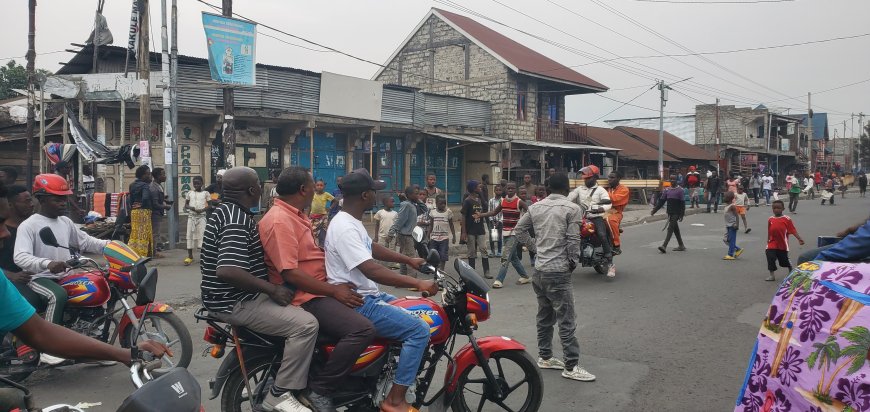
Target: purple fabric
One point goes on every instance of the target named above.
(812, 349)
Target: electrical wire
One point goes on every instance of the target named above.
(38, 54)
(623, 105)
(715, 1)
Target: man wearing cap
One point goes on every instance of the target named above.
(351, 257)
(693, 182)
(48, 262)
(596, 202)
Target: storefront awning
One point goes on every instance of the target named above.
(467, 138)
(567, 146)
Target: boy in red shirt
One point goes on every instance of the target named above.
(779, 227)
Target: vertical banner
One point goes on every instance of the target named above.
(133, 39)
(231, 49)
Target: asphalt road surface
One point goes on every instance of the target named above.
(670, 333)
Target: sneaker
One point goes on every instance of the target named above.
(578, 374)
(552, 363)
(284, 403)
(738, 253)
(187, 261)
(770, 278)
(611, 273)
(496, 285)
(679, 249)
(487, 276)
(523, 281)
(729, 257)
(320, 403)
(50, 360)
(748, 229)
(662, 249)
(617, 250)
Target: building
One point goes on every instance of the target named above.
(454, 55)
(680, 126)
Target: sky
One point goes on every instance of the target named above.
(583, 31)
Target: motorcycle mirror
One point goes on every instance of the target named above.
(417, 234)
(433, 258)
(47, 237)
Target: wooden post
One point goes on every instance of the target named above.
(31, 64)
(143, 61)
(229, 129)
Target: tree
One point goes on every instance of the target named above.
(12, 76)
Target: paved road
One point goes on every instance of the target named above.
(671, 333)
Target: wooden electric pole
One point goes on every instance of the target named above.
(31, 69)
(144, 63)
(229, 129)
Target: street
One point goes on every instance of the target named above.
(670, 333)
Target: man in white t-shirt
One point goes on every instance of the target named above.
(767, 187)
(350, 258)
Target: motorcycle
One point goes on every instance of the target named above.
(174, 390)
(591, 250)
(97, 306)
(495, 369)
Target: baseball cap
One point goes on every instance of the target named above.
(359, 181)
(50, 184)
(589, 171)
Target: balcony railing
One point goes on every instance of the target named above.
(560, 131)
(576, 132)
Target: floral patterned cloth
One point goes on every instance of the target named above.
(813, 347)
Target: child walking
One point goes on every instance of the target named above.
(731, 225)
(317, 213)
(384, 220)
(779, 226)
(741, 202)
(196, 203)
(441, 219)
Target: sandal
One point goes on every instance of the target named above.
(187, 261)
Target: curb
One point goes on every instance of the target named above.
(658, 217)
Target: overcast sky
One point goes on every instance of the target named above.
(372, 30)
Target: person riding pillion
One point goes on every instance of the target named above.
(596, 202)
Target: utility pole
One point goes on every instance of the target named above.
(169, 133)
(860, 142)
(718, 140)
(810, 130)
(31, 68)
(143, 60)
(173, 105)
(229, 129)
(663, 92)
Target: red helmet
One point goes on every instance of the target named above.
(589, 171)
(50, 184)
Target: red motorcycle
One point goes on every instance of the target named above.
(494, 369)
(97, 306)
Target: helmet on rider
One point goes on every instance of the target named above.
(589, 171)
(50, 184)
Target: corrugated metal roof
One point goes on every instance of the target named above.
(522, 58)
(630, 148)
(820, 124)
(568, 146)
(674, 146)
(467, 138)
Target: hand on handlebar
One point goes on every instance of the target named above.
(346, 294)
(155, 348)
(57, 266)
(427, 287)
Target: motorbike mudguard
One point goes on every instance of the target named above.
(230, 365)
(156, 307)
(465, 358)
(177, 390)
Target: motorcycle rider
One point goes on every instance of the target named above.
(596, 202)
(236, 290)
(292, 256)
(19, 318)
(48, 263)
(351, 257)
(556, 222)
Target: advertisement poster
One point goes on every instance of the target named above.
(231, 49)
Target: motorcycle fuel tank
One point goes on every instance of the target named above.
(431, 312)
(86, 289)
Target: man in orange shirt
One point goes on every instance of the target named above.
(294, 259)
(619, 196)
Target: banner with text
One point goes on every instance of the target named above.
(231, 49)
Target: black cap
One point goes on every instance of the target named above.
(359, 181)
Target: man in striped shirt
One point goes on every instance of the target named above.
(510, 208)
(236, 290)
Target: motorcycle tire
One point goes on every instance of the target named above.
(233, 399)
(531, 376)
(600, 269)
(180, 357)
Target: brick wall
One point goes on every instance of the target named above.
(463, 69)
(735, 125)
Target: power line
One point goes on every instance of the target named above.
(715, 1)
(622, 105)
(38, 54)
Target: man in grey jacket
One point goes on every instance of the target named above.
(556, 223)
(404, 225)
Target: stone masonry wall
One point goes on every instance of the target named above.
(735, 125)
(437, 51)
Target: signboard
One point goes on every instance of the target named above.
(231, 49)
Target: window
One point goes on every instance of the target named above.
(522, 93)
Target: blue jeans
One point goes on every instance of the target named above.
(767, 194)
(393, 322)
(511, 256)
(732, 241)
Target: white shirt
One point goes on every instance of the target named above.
(808, 184)
(590, 198)
(34, 256)
(741, 199)
(197, 200)
(348, 245)
(766, 182)
(386, 220)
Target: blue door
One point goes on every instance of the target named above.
(435, 164)
(330, 156)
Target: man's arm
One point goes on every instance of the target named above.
(383, 276)
(452, 229)
(23, 253)
(377, 226)
(233, 266)
(47, 337)
(572, 234)
(852, 248)
(381, 253)
(492, 212)
(401, 219)
(343, 293)
(86, 242)
(521, 231)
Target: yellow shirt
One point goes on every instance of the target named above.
(318, 204)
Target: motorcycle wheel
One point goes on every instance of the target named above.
(178, 340)
(261, 374)
(600, 269)
(513, 370)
